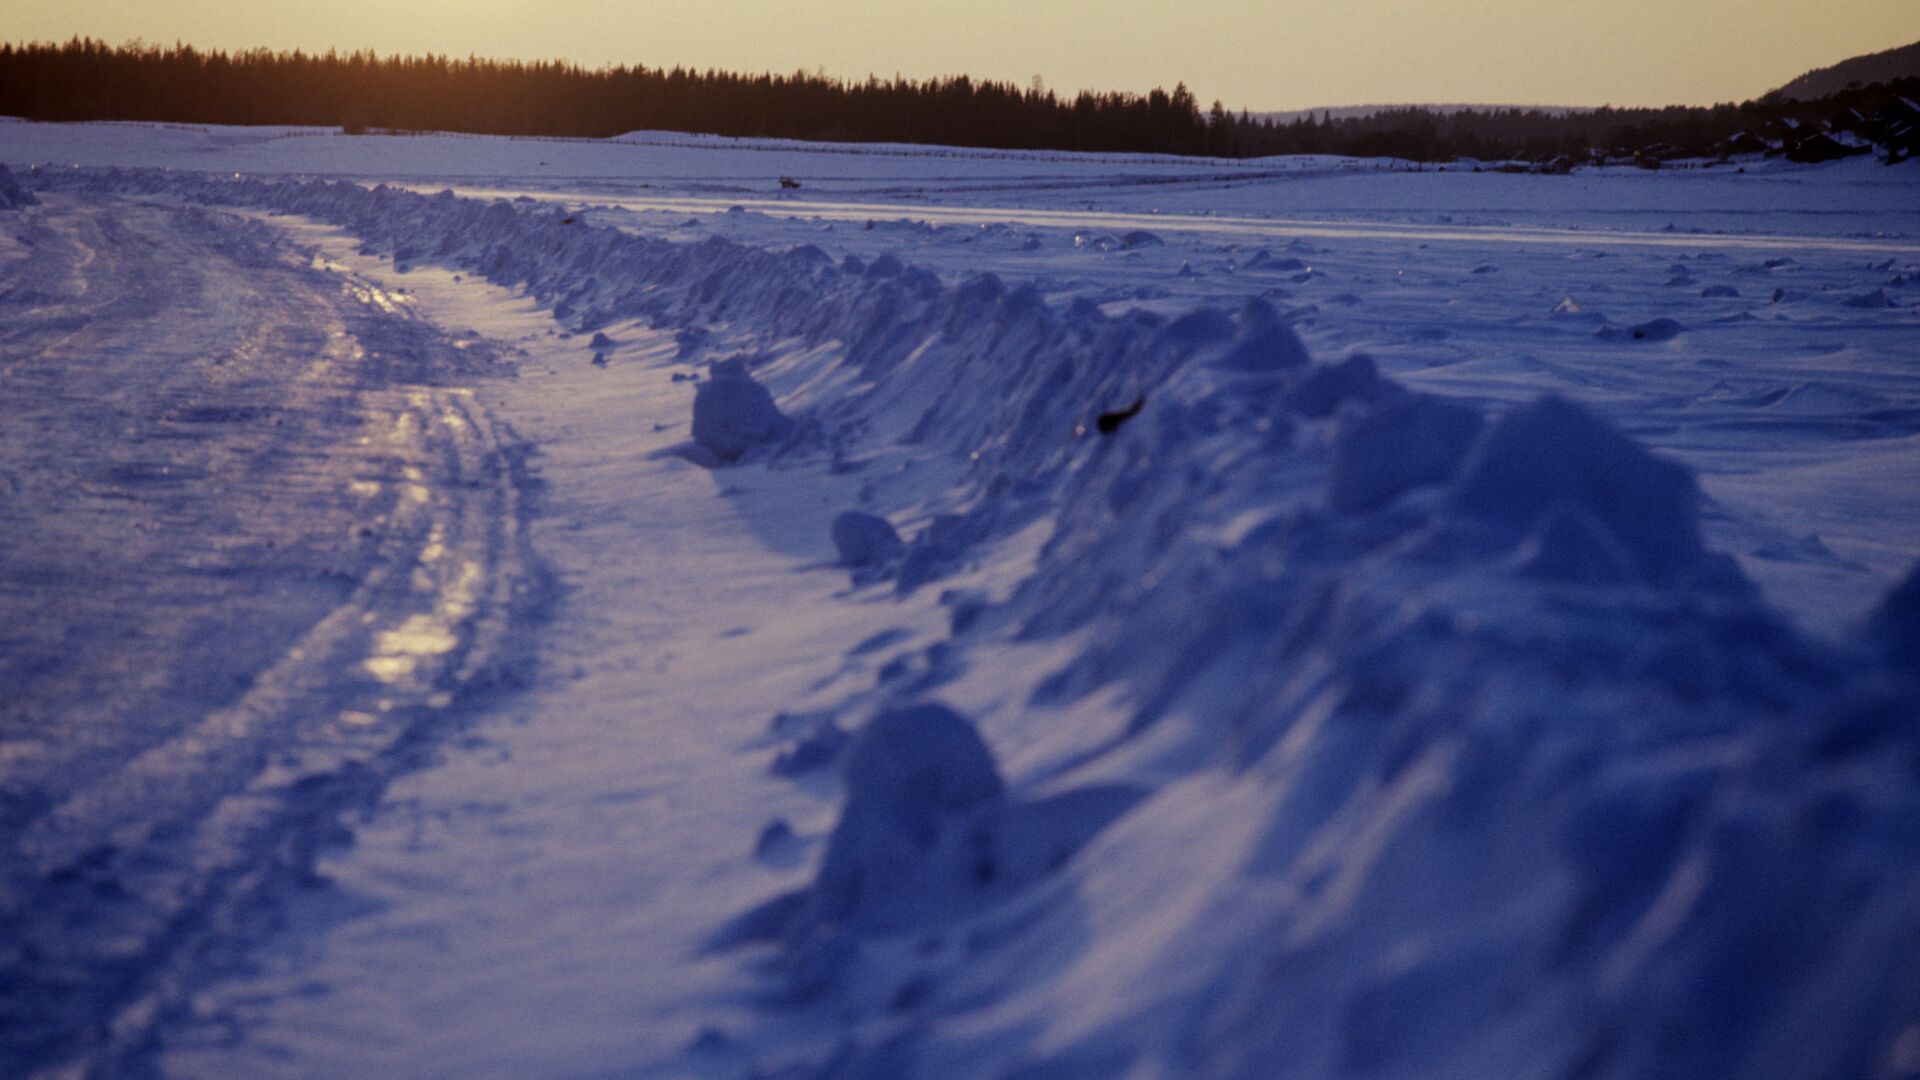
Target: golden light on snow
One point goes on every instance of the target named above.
(1273, 55)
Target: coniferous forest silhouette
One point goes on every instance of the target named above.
(85, 79)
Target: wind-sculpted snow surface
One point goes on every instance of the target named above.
(1447, 748)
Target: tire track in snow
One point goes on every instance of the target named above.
(261, 540)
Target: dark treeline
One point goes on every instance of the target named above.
(89, 80)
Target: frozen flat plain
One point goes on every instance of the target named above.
(406, 694)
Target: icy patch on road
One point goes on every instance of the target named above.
(261, 551)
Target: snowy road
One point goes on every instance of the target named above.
(522, 888)
(1226, 226)
(258, 534)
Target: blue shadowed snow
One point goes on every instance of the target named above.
(732, 414)
(1407, 442)
(12, 195)
(1554, 452)
(865, 540)
(1431, 739)
(917, 829)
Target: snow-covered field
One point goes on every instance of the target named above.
(581, 610)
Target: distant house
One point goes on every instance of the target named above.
(1899, 129)
(1820, 147)
(1657, 154)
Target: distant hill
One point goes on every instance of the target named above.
(1901, 63)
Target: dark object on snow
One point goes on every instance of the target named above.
(732, 414)
(865, 539)
(1110, 422)
(788, 183)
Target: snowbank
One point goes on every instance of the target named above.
(1447, 747)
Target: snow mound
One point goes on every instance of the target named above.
(865, 540)
(1322, 388)
(1264, 343)
(1569, 544)
(732, 413)
(929, 834)
(12, 195)
(917, 829)
(1414, 440)
(1655, 330)
(1554, 452)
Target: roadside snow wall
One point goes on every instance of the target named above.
(1448, 750)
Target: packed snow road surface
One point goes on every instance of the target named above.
(258, 535)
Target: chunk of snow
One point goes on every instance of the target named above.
(1655, 330)
(1264, 343)
(863, 539)
(917, 828)
(732, 413)
(12, 195)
